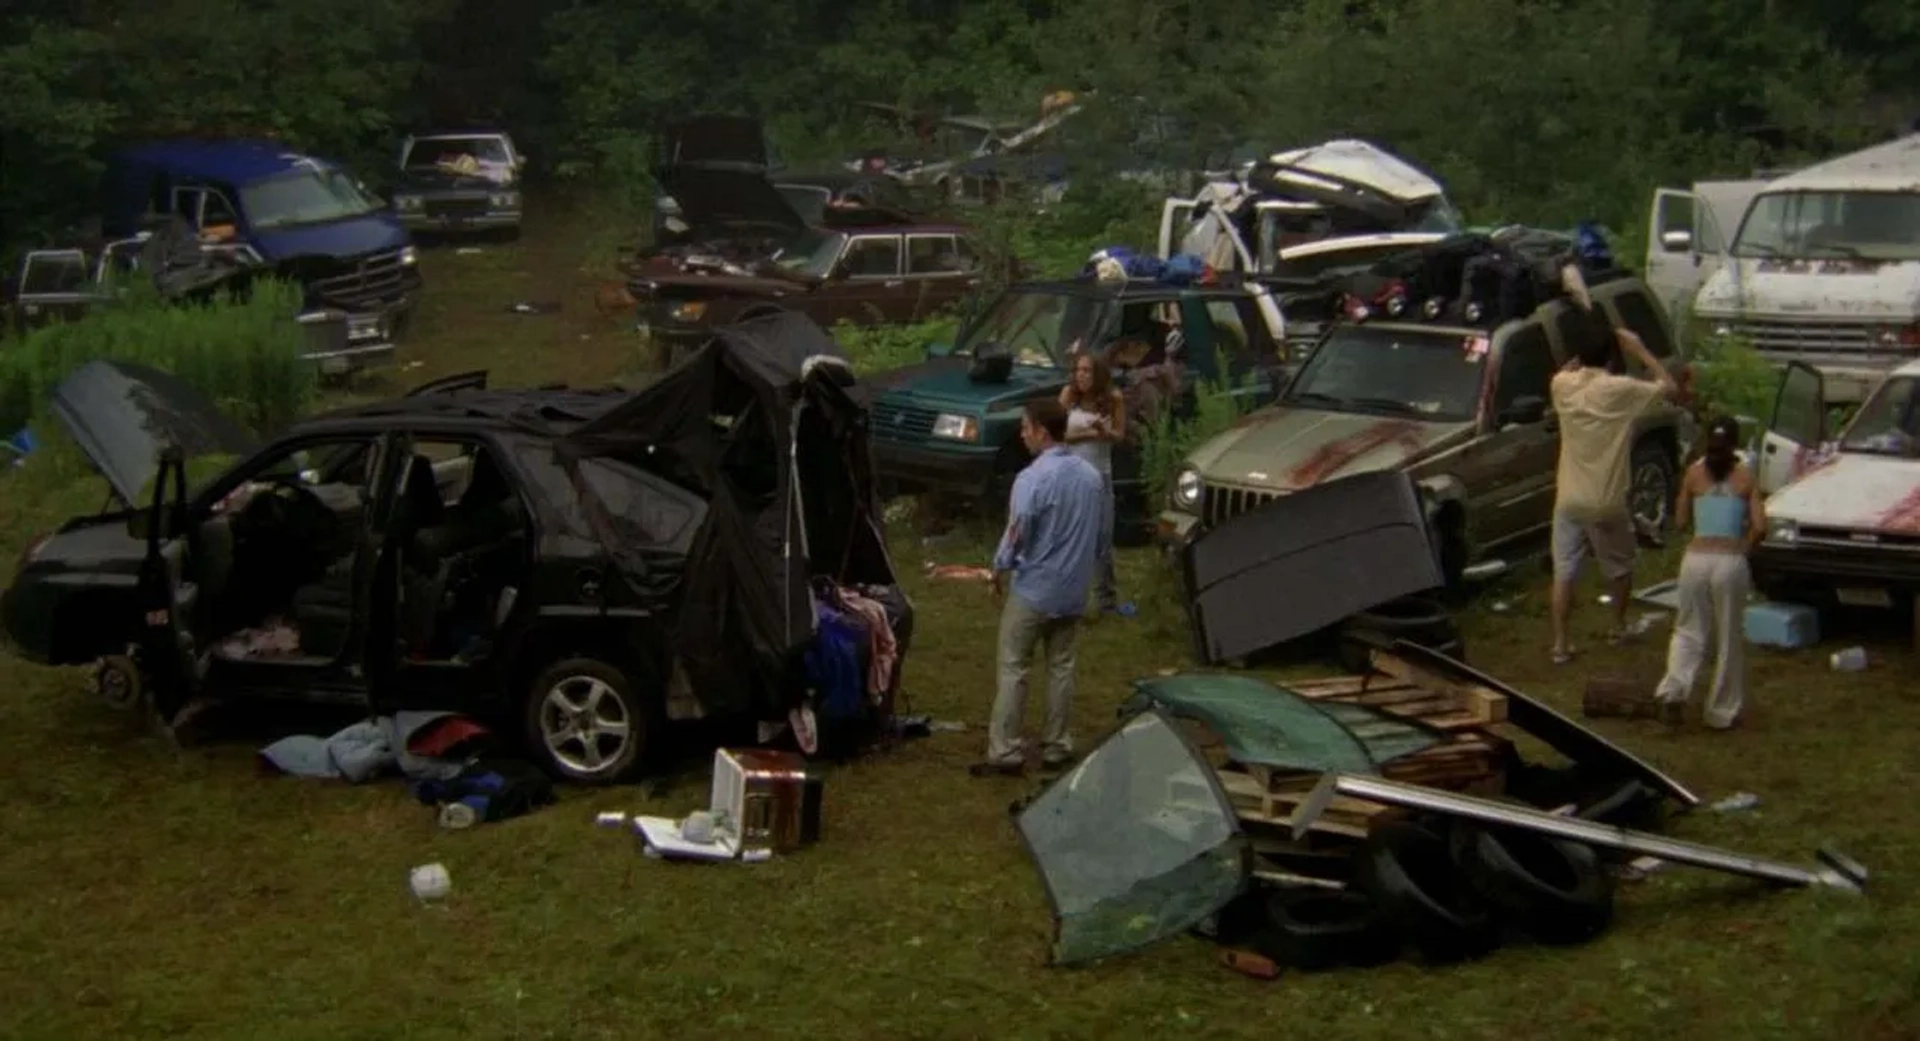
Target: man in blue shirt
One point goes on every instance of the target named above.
(1051, 546)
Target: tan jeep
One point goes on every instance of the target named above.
(1465, 410)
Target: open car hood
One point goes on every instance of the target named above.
(123, 415)
(1137, 843)
(718, 200)
(729, 140)
(1347, 174)
(1357, 542)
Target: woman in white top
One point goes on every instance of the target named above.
(1096, 418)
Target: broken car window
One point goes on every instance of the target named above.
(1832, 225)
(1889, 423)
(872, 256)
(1037, 328)
(663, 516)
(811, 254)
(1423, 373)
(307, 196)
(1526, 367)
(429, 152)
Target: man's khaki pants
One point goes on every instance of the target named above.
(1022, 629)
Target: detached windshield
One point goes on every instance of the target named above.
(812, 253)
(1889, 423)
(428, 152)
(305, 197)
(1036, 328)
(1427, 375)
(1825, 225)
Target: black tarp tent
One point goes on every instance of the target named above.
(767, 422)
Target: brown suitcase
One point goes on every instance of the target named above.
(771, 799)
(1621, 697)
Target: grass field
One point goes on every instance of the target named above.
(148, 891)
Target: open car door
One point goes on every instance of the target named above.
(1796, 432)
(1688, 235)
(1176, 215)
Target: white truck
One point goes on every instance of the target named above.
(1820, 266)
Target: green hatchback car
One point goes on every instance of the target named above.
(940, 426)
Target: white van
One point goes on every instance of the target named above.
(1822, 268)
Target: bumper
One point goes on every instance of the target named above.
(967, 470)
(456, 225)
(1837, 574)
(1174, 529)
(351, 359)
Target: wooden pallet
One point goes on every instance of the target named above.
(1471, 758)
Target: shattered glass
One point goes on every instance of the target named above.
(1137, 843)
(1265, 725)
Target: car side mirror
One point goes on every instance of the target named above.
(1530, 408)
(1679, 240)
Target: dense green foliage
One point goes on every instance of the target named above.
(244, 354)
(1532, 110)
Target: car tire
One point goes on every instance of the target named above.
(118, 681)
(574, 714)
(1314, 929)
(1554, 890)
(1651, 481)
(1408, 871)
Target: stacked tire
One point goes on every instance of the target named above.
(1449, 892)
(1419, 620)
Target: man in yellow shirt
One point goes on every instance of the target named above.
(1597, 411)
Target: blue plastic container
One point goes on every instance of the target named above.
(1790, 626)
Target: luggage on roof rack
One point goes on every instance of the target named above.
(1477, 278)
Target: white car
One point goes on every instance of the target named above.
(1843, 512)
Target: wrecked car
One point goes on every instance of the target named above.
(459, 182)
(1843, 507)
(943, 426)
(579, 567)
(706, 144)
(1332, 190)
(67, 284)
(1462, 407)
(303, 218)
(1821, 265)
(868, 276)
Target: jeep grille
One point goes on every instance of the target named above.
(1220, 503)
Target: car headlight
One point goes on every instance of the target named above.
(409, 255)
(956, 428)
(406, 202)
(504, 200)
(1783, 529)
(1187, 488)
(690, 311)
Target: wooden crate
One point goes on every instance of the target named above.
(1471, 758)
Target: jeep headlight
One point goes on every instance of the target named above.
(689, 311)
(1783, 529)
(954, 427)
(504, 200)
(406, 202)
(409, 255)
(1186, 489)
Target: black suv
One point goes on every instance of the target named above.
(584, 564)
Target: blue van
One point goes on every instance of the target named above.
(308, 219)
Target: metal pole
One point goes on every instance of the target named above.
(1606, 836)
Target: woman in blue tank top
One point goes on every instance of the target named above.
(1721, 501)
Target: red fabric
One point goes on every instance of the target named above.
(440, 737)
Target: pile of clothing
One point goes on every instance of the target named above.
(861, 635)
